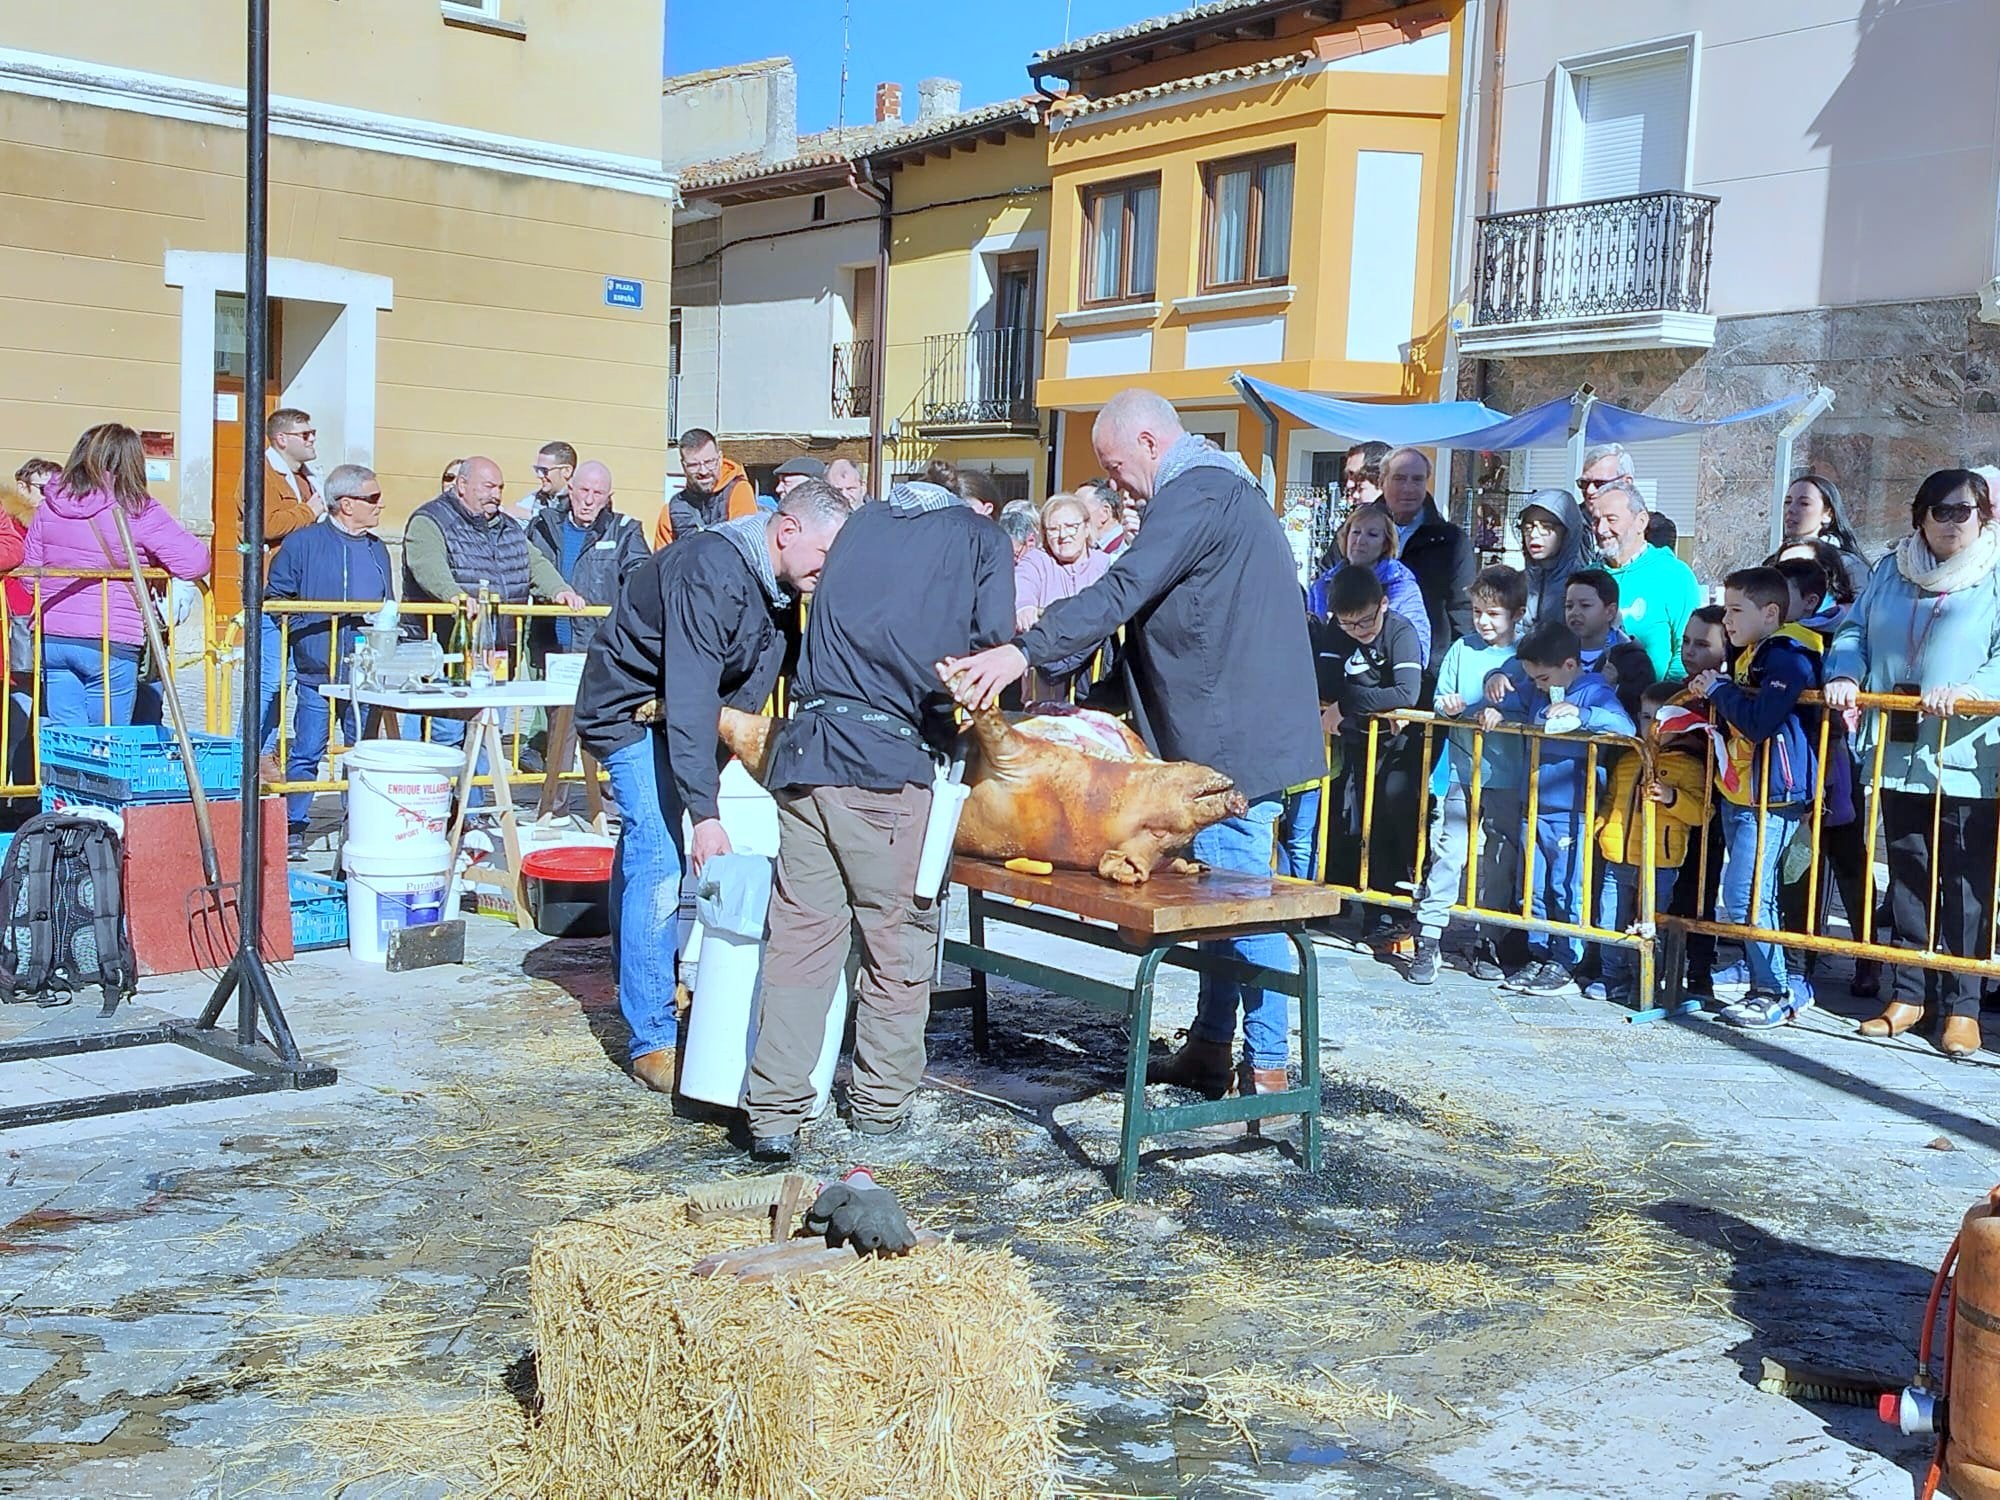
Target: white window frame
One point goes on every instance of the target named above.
(1565, 146)
(488, 9)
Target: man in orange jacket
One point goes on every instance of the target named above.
(717, 490)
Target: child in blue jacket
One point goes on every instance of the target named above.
(1546, 686)
(1771, 767)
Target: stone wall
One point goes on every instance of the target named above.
(1914, 388)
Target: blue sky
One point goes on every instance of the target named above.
(986, 47)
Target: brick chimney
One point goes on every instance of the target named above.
(888, 103)
(937, 97)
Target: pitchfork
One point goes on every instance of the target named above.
(210, 908)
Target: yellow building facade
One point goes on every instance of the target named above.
(968, 273)
(1278, 203)
(469, 237)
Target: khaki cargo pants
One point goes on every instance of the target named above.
(847, 860)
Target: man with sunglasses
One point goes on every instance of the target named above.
(343, 559)
(555, 463)
(291, 501)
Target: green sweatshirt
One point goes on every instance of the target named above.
(1656, 594)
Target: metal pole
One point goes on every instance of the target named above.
(256, 377)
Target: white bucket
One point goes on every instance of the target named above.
(399, 795)
(721, 1031)
(390, 889)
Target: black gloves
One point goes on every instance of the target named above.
(856, 1212)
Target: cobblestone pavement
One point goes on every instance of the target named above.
(1546, 1254)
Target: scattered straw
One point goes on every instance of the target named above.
(924, 1376)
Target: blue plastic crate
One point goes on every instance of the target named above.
(319, 912)
(123, 763)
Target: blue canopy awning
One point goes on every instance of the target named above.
(1468, 424)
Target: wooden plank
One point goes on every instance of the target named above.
(1212, 903)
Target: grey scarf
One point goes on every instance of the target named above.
(918, 495)
(746, 534)
(1194, 452)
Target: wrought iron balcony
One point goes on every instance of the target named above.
(985, 378)
(853, 378)
(1637, 266)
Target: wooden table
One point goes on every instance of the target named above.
(1158, 922)
(479, 709)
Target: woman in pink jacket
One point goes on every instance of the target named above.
(92, 636)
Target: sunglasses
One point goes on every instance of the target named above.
(1591, 484)
(308, 433)
(372, 499)
(542, 471)
(1954, 512)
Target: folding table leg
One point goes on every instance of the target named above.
(975, 931)
(1139, 1048)
(1309, 1044)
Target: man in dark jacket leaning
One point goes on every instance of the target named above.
(701, 624)
(1222, 673)
(1436, 550)
(592, 546)
(338, 558)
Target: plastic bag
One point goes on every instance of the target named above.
(731, 893)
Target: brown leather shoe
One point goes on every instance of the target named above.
(1251, 1080)
(1961, 1037)
(656, 1070)
(1897, 1017)
(270, 769)
(1195, 1064)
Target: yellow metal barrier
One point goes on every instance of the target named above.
(434, 615)
(1934, 737)
(1519, 910)
(24, 704)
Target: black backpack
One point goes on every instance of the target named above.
(62, 893)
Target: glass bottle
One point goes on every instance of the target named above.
(484, 635)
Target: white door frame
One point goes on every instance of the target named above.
(201, 274)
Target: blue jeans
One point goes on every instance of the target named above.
(1743, 871)
(308, 743)
(1618, 909)
(1244, 844)
(74, 673)
(271, 680)
(1557, 893)
(646, 890)
(1298, 835)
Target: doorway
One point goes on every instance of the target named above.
(1010, 372)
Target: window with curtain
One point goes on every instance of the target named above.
(1248, 222)
(1121, 223)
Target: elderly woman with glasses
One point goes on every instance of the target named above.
(1061, 568)
(1928, 626)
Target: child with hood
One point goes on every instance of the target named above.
(1555, 543)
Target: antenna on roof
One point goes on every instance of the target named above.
(1066, 7)
(840, 118)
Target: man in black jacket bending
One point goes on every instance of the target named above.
(702, 624)
(914, 579)
(1222, 673)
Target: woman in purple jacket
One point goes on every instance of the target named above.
(92, 635)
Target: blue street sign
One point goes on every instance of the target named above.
(619, 292)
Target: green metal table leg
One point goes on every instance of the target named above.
(1309, 1043)
(975, 930)
(1140, 1028)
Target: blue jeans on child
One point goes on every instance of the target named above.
(1618, 909)
(1244, 844)
(646, 890)
(75, 673)
(1743, 871)
(1557, 890)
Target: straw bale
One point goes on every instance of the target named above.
(926, 1375)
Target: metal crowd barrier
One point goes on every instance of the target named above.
(1660, 973)
(23, 704)
(435, 616)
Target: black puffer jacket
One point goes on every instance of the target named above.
(615, 546)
